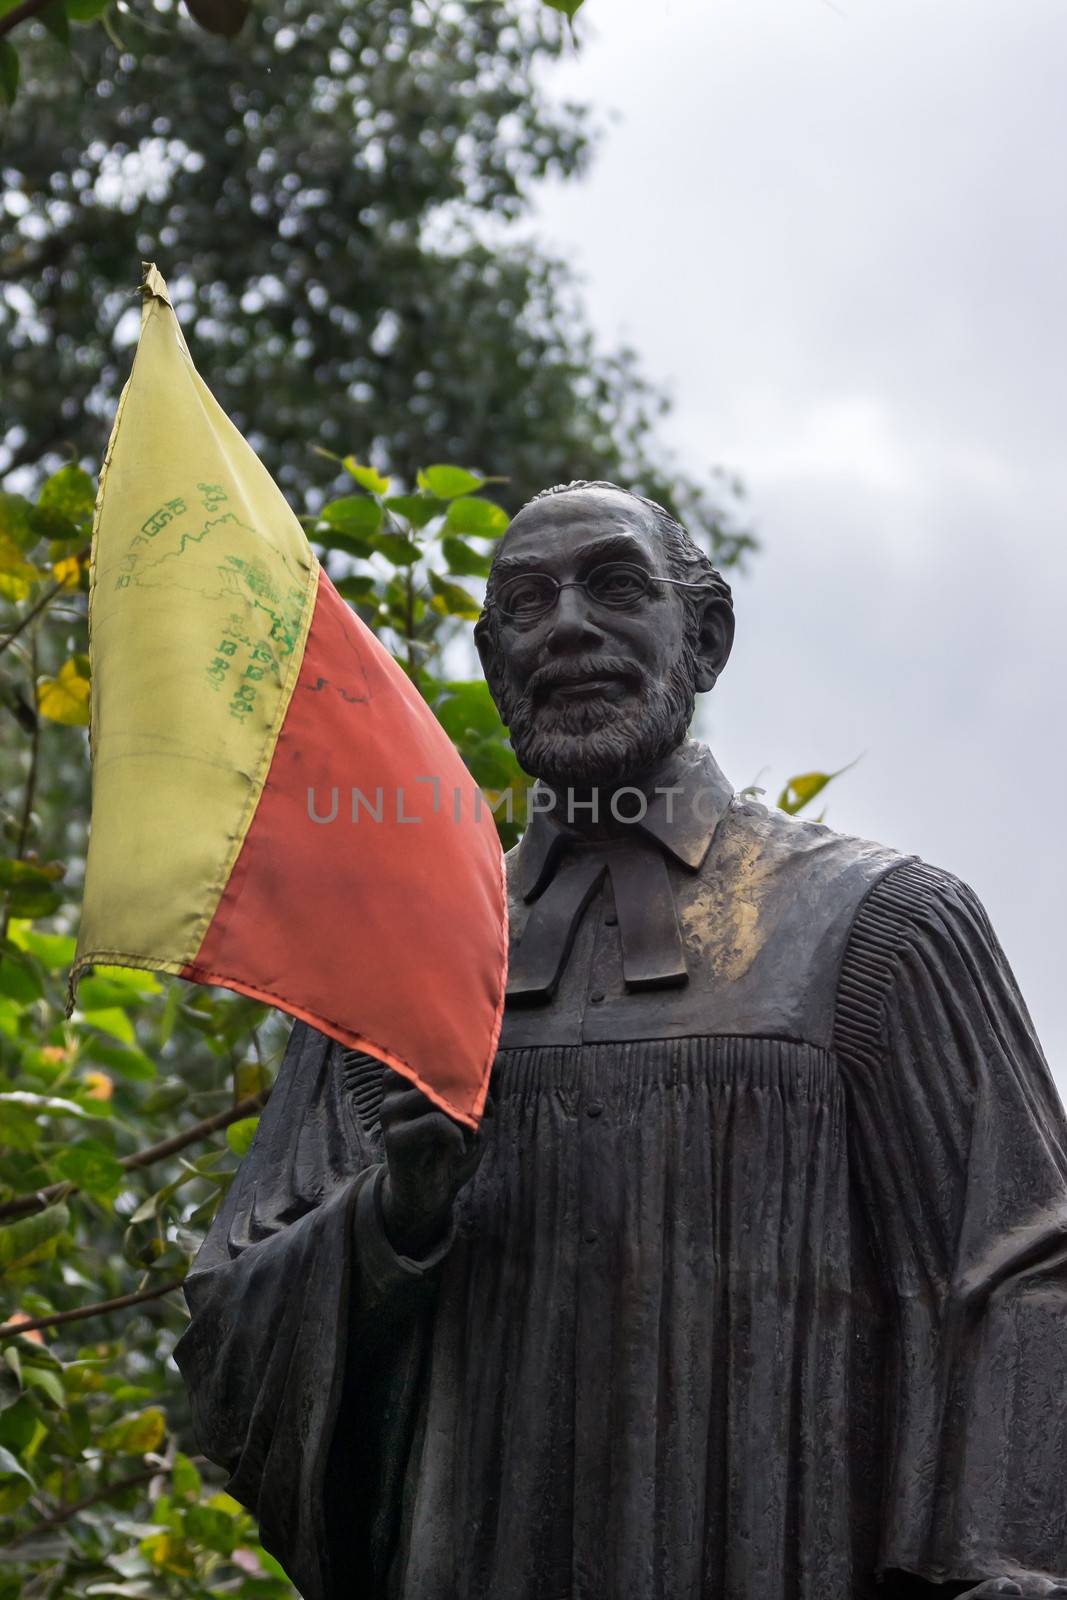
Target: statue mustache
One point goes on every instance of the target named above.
(578, 668)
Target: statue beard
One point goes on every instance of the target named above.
(594, 742)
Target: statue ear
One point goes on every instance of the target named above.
(484, 645)
(714, 642)
(489, 656)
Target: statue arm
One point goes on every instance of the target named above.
(961, 1156)
(307, 1328)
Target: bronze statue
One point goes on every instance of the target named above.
(754, 1285)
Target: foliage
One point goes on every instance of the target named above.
(121, 1126)
(325, 193)
(329, 203)
(409, 550)
(223, 17)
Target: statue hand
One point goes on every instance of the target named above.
(1028, 1583)
(428, 1159)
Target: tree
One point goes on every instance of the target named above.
(321, 195)
(223, 17)
(121, 1126)
(326, 193)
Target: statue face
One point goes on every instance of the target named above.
(591, 694)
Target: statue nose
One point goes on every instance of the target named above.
(572, 623)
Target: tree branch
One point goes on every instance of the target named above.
(37, 607)
(221, 1119)
(21, 13)
(31, 781)
(65, 1513)
(26, 1204)
(98, 1309)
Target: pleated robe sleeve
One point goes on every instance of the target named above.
(303, 1355)
(959, 1152)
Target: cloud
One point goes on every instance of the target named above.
(840, 234)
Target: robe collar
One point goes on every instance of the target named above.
(558, 870)
(682, 823)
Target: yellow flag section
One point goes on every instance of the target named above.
(203, 587)
(231, 686)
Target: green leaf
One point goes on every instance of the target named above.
(398, 550)
(802, 790)
(482, 518)
(416, 509)
(16, 512)
(86, 10)
(468, 707)
(170, 1010)
(116, 986)
(570, 8)
(18, 1127)
(9, 86)
(70, 492)
(452, 600)
(34, 901)
(448, 482)
(16, 1485)
(28, 874)
(491, 764)
(131, 1064)
(19, 981)
(213, 1527)
(166, 1096)
(366, 477)
(91, 1166)
(112, 1020)
(224, 17)
(154, 1204)
(239, 1135)
(353, 514)
(52, 525)
(32, 1239)
(185, 1480)
(54, 17)
(135, 982)
(17, 575)
(349, 544)
(55, 951)
(136, 1435)
(251, 1077)
(48, 1383)
(357, 587)
(463, 560)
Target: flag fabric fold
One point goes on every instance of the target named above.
(275, 807)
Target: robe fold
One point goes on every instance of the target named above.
(769, 1311)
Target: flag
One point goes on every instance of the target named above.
(275, 807)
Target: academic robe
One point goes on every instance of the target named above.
(758, 1292)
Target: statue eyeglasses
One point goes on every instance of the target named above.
(619, 585)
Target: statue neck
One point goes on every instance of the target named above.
(587, 808)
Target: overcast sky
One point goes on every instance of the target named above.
(839, 232)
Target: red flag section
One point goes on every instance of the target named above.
(367, 897)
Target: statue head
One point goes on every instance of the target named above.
(603, 620)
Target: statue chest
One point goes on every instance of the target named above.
(631, 945)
